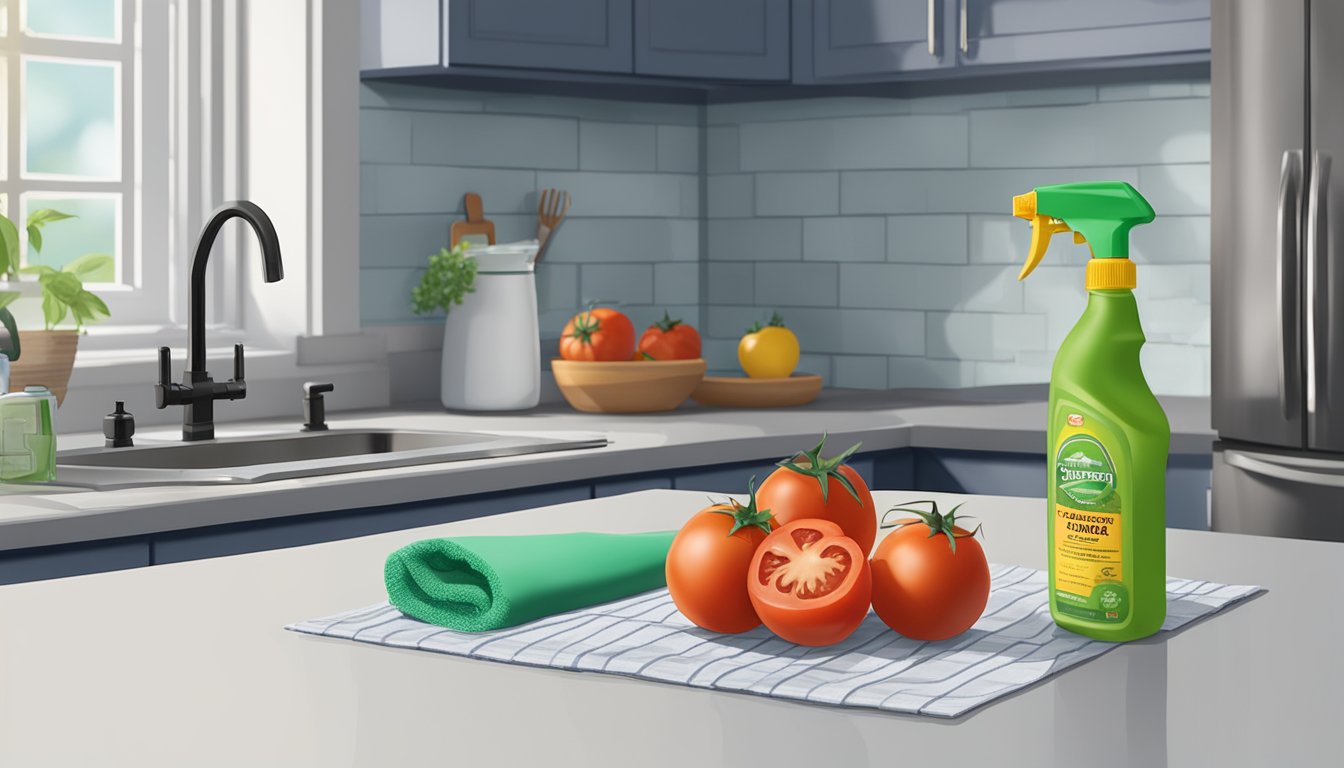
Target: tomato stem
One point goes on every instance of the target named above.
(745, 516)
(585, 325)
(937, 523)
(667, 323)
(813, 465)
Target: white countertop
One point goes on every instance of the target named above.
(1010, 419)
(187, 664)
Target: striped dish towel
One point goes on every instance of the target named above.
(1013, 645)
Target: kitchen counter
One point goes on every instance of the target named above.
(187, 664)
(999, 419)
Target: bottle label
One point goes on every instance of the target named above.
(1088, 519)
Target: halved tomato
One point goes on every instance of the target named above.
(810, 583)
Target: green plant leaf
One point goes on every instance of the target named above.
(8, 297)
(44, 216)
(9, 247)
(96, 307)
(38, 269)
(63, 285)
(35, 238)
(93, 268)
(13, 348)
(53, 310)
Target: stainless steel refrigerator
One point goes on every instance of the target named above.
(1278, 267)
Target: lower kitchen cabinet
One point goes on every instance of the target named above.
(951, 471)
(72, 560)
(218, 541)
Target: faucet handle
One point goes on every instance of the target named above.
(237, 362)
(166, 392)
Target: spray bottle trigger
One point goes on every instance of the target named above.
(1078, 238)
(1042, 229)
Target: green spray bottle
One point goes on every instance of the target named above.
(1107, 435)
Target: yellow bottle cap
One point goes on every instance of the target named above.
(1103, 274)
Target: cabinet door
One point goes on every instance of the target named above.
(853, 39)
(713, 39)
(398, 33)
(579, 35)
(1025, 31)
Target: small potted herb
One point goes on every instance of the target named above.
(451, 275)
(51, 351)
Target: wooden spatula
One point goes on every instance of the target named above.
(476, 223)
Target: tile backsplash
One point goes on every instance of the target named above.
(633, 170)
(876, 226)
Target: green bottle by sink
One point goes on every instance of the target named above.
(28, 436)
(1107, 435)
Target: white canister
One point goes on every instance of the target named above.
(491, 344)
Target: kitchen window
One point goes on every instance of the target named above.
(96, 122)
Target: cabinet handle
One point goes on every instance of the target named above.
(965, 28)
(1283, 468)
(933, 28)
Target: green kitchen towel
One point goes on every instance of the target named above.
(480, 583)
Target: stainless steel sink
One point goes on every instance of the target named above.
(304, 454)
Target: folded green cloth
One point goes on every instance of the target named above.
(480, 583)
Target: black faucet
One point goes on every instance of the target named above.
(198, 392)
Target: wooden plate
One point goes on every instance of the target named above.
(744, 392)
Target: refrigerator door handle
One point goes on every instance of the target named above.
(1285, 468)
(1288, 264)
(1316, 234)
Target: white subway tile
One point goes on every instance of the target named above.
(420, 98)
(928, 286)
(797, 194)
(1175, 369)
(722, 149)
(1171, 240)
(983, 336)
(1176, 189)
(804, 109)
(731, 196)
(1107, 133)
(901, 141)
(676, 283)
(626, 240)
(992, 190)
(927, 239)
(885, 191)
(924, 373)
(385, 296)
(557, 286)
(731, 282)
(673, 195)
(859, 371)
(439, 189)
(495, 141)
(679, 148)
(755, 240)
(1029, 371)
(617, 147)
(384, 136)
(798, 284)
(844, 238)
(608, 110)
(401, 241)
(616, 284)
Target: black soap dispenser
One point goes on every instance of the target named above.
(118, 426)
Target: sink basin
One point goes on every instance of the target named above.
(304, 454)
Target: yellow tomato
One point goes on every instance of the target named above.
(769, 353)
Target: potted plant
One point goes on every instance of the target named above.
(51, 351)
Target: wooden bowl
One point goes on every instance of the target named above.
(745, 392)
(635, 386)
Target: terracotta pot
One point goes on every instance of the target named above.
(47, 359)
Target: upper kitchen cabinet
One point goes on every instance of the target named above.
(991, 32)
(851, 40)
(713, 39)
(577, 35)
(485, 35)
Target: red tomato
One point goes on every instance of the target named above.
(810, 487)
(670, 339)
(930, 577)
(810, 583)
(707, 565)
(598, 334)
